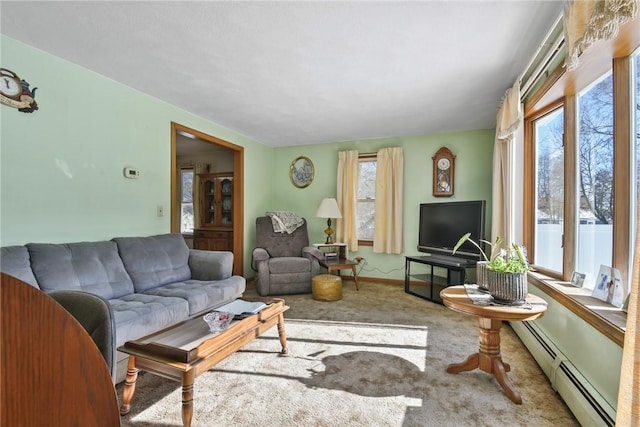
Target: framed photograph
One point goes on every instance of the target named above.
(609, 286)
(577, 279)
(618, 294)
(603, 280)
(301, 172)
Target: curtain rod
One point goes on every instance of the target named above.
(555, 45)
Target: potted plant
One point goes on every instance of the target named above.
(506, 270)
(481, 266)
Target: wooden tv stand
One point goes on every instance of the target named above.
(422, 283)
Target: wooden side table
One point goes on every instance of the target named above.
(341, 264)
(490, 318)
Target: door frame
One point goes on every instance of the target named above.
(238, 189)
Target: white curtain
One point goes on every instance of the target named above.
(628, 411)
(587, 21)
(198, 168)
(509, 119)
(389, 201)
(347, 197)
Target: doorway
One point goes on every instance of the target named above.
(185, 139)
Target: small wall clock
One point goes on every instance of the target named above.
(15, 92)
(443, 172)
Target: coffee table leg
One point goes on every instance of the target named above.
(282, 334)
(187, 397)
(129, 386)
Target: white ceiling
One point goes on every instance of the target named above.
(293, 73)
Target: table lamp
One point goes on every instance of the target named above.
(329, 209)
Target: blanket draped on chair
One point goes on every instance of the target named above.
(284, 221)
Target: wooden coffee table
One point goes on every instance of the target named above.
(186, 350)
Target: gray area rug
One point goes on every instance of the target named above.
(378, 357)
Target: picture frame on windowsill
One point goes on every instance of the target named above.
(577, 279)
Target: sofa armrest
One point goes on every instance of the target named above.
(210, 265)
(258, 255)
(312, 253)
(96, 316)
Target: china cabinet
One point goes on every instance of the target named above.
(215, 231)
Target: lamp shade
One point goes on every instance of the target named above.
(329, 209)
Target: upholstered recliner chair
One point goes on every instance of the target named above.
(285, 263)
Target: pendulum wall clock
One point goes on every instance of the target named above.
(443, 172)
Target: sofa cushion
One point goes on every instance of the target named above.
(138, 315)
(155, 260)
(93, 267)
(14, 261)
(203, 295)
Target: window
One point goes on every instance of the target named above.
(580, 190)
(595, 203)
(366, 203)
(186, 200)
(578, 168)
(549, 208)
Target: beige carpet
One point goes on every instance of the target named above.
(378, 357)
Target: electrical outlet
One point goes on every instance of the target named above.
(160, 210)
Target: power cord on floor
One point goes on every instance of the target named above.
(362, 262)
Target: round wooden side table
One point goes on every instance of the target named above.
(490, 318)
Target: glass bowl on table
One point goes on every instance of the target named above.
(218, 321)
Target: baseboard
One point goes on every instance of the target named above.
(584, 401)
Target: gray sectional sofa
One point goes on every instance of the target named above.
(150, 282)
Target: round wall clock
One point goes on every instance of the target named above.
(443, 172)
(301, 172)
(10, 85)
(15, 92)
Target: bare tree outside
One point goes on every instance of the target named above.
(366, 199)
(548, 131)
(550, 170)
(186, 201)
(596, 150)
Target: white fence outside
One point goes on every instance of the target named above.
(595, 248)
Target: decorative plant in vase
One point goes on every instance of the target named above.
(506, 270)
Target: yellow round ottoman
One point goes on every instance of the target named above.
(326, 287)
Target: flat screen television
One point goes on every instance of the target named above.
(442, 225)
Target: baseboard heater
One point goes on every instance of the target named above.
(587, 405)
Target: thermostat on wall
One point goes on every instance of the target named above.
(131, 173)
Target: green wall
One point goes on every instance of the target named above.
(474, 156)
(62, 166)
